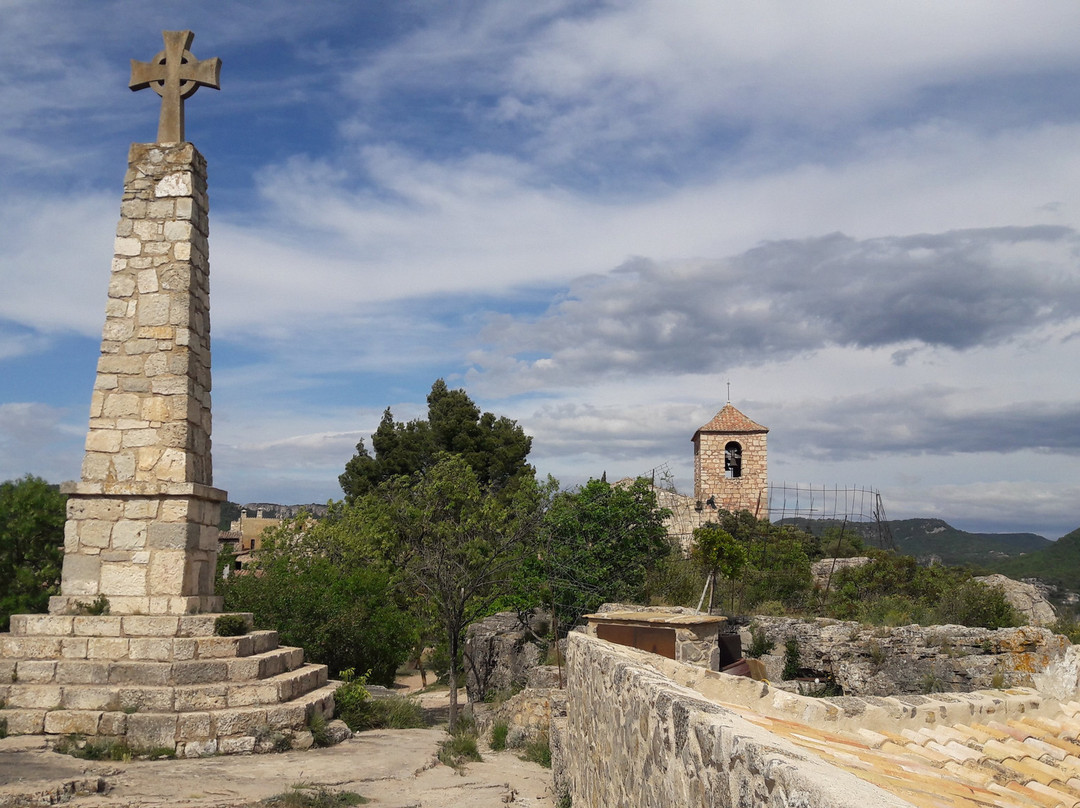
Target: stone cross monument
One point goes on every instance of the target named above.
(130, 648)
(142, 521)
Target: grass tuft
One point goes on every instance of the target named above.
(538, 750)
(498, 736)
(304, 796)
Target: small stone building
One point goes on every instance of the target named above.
(731, 464)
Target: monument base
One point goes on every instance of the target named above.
(157, 681)
(146, 548)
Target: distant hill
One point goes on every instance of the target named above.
(929, 539)
(1058, 563)
(936, 540)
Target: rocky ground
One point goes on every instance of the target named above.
(392, 768)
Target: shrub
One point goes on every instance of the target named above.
(231, 625)
(973, 603)
(498, 736)
(321, 593)
(352, 700)
(1069, 626)
(3, 727)
(759, 643)
(791, 659)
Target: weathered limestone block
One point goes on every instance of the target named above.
(499, 652)
(881, 661)
(151, 731)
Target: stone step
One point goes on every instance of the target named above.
(156, 649)
(192, 734)
(134, 698)
(74, 672)
(118, 625)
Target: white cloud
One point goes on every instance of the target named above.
(38, 439)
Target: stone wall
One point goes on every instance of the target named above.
(636, 737)
(881, 661)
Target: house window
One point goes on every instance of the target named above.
(733, 460)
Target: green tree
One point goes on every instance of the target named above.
(717, 552)
(494, 447)
(326, 593)
(600, 543)
(31, 545)
(457, 544)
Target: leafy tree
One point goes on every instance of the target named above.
(717, 552)
(600, 543)
(325, 593)
(456, 543)
(32, 514)
(494, 447)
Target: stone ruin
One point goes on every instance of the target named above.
(128, 649)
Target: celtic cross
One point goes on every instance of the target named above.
(174, 74)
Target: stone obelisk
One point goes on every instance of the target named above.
(142, 521)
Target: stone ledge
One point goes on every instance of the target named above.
(122, 625)
(106, 667)
(143, 489)
(115, 688)
(228, 731)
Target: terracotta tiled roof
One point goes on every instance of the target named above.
(1025, 761)
(730, 419)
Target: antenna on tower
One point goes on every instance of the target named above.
(729, 391)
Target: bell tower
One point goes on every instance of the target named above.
(731, 463)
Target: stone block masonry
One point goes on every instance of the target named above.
(142, 521)
(635, 737)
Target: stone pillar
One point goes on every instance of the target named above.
(142, 521)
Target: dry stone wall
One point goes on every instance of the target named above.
(635, 737)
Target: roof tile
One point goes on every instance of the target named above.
(730, 419)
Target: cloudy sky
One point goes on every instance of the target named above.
(591, 215)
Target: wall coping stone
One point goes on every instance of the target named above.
(654, 618)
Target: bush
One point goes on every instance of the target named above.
(759, 644)
(321, 594)
(792, 661)
(352, 699)
(973, 603)
(1068, 626)
(231, 625)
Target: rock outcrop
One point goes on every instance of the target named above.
(880, 661)
(1025, 598)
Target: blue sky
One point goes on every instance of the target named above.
(591, 215)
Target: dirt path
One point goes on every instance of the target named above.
(393, 768)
